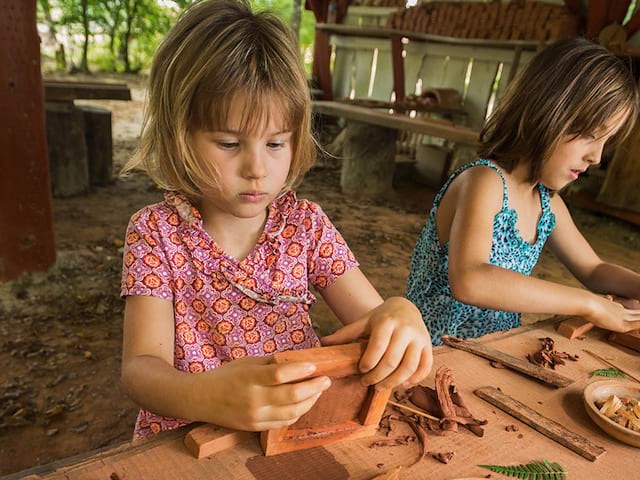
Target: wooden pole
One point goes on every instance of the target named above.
(26, 222)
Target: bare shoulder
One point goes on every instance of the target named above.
(558, 206)
(479, 184)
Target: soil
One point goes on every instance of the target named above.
(61, 329)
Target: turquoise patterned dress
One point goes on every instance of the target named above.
(428, 284)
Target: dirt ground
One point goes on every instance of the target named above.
(61, 330)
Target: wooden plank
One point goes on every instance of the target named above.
(574, 327)
(426, 126)
(58, 91)
(508, 361)
(206, 440)
(629, 339)
(348, 30)
(546, 426)
(337, 360)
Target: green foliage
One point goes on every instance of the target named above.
(124, 34)
(608, 372)
(532, 471)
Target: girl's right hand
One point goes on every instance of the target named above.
(612, 315)
(252, 394)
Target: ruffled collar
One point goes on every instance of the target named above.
(278, 211)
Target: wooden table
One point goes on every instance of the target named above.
(369, 149)
(79, 136)
(165, 456)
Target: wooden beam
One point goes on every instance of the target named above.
(206, 440)
(426, 126)
(508, 361)
(574, 327)
(59, 91)
(546, 426)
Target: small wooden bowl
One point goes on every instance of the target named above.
(599, 392)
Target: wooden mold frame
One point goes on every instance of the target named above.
(347, 410)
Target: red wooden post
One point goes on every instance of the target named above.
(26, 223)
(397, 66)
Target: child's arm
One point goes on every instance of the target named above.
(474, 281)
(246, 394)
(399, 347)
(573, 250)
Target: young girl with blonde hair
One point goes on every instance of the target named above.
(216, 277)
(470, 270)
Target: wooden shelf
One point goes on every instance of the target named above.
(376, 32)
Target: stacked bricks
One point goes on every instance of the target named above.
(381, 3)
(517, 20)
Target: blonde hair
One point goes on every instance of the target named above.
(572, 87)
(220, 49)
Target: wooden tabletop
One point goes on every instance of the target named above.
(425, 125)
(165, 456)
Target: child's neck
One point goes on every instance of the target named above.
(236, 236)
(519, 179)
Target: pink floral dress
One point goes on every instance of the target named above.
(224, 308)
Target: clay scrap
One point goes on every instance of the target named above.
(548, 357)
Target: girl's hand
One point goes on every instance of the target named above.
(399, 348)
(252, 394)
(613, 315)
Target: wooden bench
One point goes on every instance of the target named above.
(370, 137)
(79, 136)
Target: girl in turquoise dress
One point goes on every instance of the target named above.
(470, 270)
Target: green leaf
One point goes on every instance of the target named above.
(531, 471)
(608, 372)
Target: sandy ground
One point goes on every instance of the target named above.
(61, 330)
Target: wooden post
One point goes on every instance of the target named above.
(369, 159)
(621, 187)
(26, 223)
(67, 149)
(97, 124)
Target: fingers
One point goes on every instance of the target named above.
(293, 393)
(279, 373)
(284, 404)
(282, 416)
(424, 367)
(394, 369)
(347, 334)
(378, 345)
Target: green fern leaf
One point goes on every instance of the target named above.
(608, 372)
(531, 471)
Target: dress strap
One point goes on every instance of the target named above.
(487, 163)
(544, 197)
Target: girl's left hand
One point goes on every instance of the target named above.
(399, 348)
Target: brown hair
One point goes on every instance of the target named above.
(217, 50)
(572, 87)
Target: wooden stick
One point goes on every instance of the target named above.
(595, 355)
(546, 426)
(509, 361)
(413, 410)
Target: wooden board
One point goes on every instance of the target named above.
(347, 410)
(508, 361)
(629, 339)
(424, 125)
(206, 440)
(546, 426)
(574, 327)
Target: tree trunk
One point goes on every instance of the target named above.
(85, 47)
(130, 10)
(369, 159)
(61, 61)
(295, 19)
